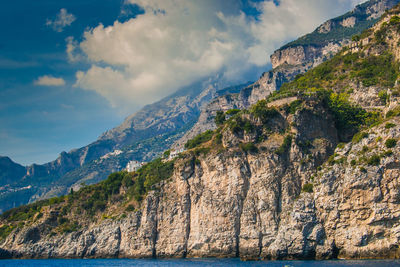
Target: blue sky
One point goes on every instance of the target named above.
(70, 70)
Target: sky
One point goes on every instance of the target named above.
(72, 69)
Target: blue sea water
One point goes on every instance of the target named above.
(194, 262)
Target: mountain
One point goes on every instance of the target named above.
(142, 137)
(310, 172)
(180, 117)
(293, 59)
(11, 171)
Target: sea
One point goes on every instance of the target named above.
(195, 263)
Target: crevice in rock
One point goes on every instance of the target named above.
(155, 229)
(188, 218)
(246, 177)
(260, 237)
(119, 242)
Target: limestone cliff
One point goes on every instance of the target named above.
(254, 203)
(310, 172)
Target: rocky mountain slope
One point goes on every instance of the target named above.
(141, 137)
(295, 58)
(311, 172)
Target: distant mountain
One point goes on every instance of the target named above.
(142, 137)
(10, 171)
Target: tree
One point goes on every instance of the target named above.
(220, 118)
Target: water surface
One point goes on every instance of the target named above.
(194, 262)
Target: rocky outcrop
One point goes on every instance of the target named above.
(292, 59)
(358, 203)
(254, 205)
(331, 36)
(297, 55)
(224, 205)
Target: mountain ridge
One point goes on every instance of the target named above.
(85, 165)
(293, 59)
(307, 173)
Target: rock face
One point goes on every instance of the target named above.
(292, 59)
(296, 194)
(234, 203)
(171, 120)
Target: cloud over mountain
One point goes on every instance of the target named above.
(176, 42)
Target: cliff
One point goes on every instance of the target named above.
(178, 118)
(277, 200)
(295, 58)
(311, 172)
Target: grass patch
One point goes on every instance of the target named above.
(359, 136)
(199, 139)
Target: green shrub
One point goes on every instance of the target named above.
(248, 127)
(149, 175)
(331, 160)
(237, 125)
(341, 145)
(218, 139)
(375, 160)
(348, 117)
(167, 153)
(393, 112)
(199, 139)
(365, 149)
(262, 111)
(287, 142)
(362, 169)
(293, 107)
(359, 136)
(202, 151)
(220, 118)
(390, 125)
(232, 112)
(308, 188)
(69, 227)
(395, 20)
(5, 230)
(383, 96)
(390, 143)
(248, 147)
(387, 153)
(353, 162)
(130, 208)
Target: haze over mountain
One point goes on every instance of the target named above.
(45, 109)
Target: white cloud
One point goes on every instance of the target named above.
(48, 80)
(73, 52)
(62, 20)
(177, 42)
